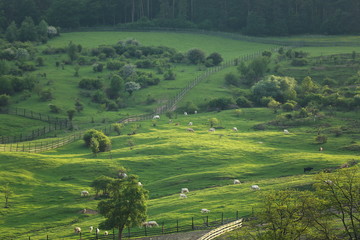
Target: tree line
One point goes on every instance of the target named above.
(256, 17)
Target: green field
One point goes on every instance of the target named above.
(166, 157)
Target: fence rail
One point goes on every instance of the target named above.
(53, 125)
(221, 230)
(207, 222)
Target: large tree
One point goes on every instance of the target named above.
(126, 206)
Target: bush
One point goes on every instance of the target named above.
(104, 141)
(46, 95)
(231, 79)
(215, 58)
(54, 108)
(4, 100)
(169, 75)
(321, 139)
(221, 103)
(98, 67)
(243, 102)
(90, 84)
(196, 56)
(299, 62)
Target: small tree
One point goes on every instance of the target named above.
(4, 100)
(6, 190)
(104, 141)
(117, 127)
(274, 105)
(213, 122)
(94, 145)
(130, 87)
(79, 106)
(12, 32)
(126, 206)
(71, 114)
(195, 56)
(215, 59)
(101, 184)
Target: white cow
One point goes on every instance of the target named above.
(286, 131)
(235, 129)
(190, 124)
(255, 187)
(195, 112)
(182, 195)
(212, 130)
(91, 228)
(156, 117)
(106, 233)
(190, 130)
(204, 210)
(77, 230)
(236, 181)
(97, 231)
(184, 190)
(185, 113)
(84, 193)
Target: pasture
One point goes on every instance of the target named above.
(166, 158)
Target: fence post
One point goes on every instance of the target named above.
(207, 221)
(177, 225)
(113, 233)
(237, 215)
(192, 223)
(222, 218)
(129, 232)
(145, 230)
(162, 227)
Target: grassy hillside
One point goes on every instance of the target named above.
(166, 158)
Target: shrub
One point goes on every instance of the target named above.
(195, 56)
(104, 141)
(299, 62)
(221, 103)
(54, 108)
(243, 102)
(98, 67)
(215, 58)
(46, 95)
(114, 65)
(90, 84)
(4, 100)
(169, 75)
(321, 139)
(231, 79)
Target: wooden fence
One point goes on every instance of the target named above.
(221, 230)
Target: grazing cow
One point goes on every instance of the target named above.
(212, 130)
(204, 210)
(77, 230)
(140, 184)
(190, 124)
(236, 181)
(235, 129)
(84, 193)
(308, 169)
(156, 117)
(286, 131)
(106, 233)
(321, 149)
(184, 190)
(122, 175)
(97, 231)
(91, 228)
(185, 113)
(190, 130)
(182, 195)
(150, 224)
(255, 187)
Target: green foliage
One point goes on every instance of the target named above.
(195, 56)
(27, 31)
(54, 108)
(126, 206)
(130, 87)
(213, 121)
(117, 127)
(98, 67)
(94, 145)
(116, 86)
(169, 75)
(12, 32)
(100, 137)
(254, 71)
(4, 100)
(214, 59)
(242, 101)
(221, 103)
(279, 88)
(46, 95)
(101, 184)
(70, 113)
(91, 84)
(231, 79)
(8, 192)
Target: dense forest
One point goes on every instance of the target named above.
(256, 17)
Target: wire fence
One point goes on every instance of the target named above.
(206, 222)
(54, 124)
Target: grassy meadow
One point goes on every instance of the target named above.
(166, 157)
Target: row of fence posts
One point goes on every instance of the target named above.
(178, 228)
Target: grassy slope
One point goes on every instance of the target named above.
(166, 158)
(11, 125)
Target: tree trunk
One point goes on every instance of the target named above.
(120, 232)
